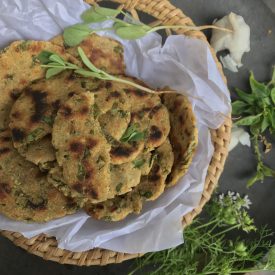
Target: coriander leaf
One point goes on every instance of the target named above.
(131, 32)
(249, 98)
(121, 24)
(271, 115)
(272, 94)
(75, 34)
(132, 134)
(258, 89)
(238, 107)
(86, 60)
(44, 57)
(138, 163)
(249, 120)
(54, 71)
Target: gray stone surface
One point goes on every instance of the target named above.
(240, 164)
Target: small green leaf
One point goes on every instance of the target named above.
(249, 98)
(118, 187)
(53, 71)
(44, 57)
(57, 58)
(258, 89)
(271, 115)
(131, 32)
(120, 24)
(255, 178)
(107, 11)
(268, 172)
(138, 163)
(264, 124)
(86, 60)
(249, 120)
(272, 95)
(86, 73)
(48, 120)
(132, 134)
(238, 107)
(75, 34)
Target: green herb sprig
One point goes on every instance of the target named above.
(55, 65)
(208, 249)
(256, 110)
(132, 133)
(131, 30)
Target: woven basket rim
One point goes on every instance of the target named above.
(46, 247)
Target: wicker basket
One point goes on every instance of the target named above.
(46, 247)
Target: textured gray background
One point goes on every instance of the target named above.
(240, 165)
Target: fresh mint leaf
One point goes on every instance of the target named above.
(75, 34)
(238, 107)
(131, 32)
(264, 123)
(249, 120)
(258, 89)
(272, 95)
(249, 98)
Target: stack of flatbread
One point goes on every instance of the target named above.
(69, 143)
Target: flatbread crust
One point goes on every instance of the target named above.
(19, 67)
(105, 53)
(25, 193)
(183, 135)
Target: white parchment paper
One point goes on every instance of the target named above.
(182, 63)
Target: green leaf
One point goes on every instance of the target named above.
(86, 60)
(268, 172)
(249, 120)
(53, 71)
(255, 128)
(99, 14)
(132, 134)
(238, 107)
(249, 98)
(271, 115)
(107, 11)
(264, 123)
(44, 57)
(273, 77)
(57, 58)
(272, 95)
(131, 32)
(258, 89)
(138, 163)
(86, 73)
(255, 178)
(120, 24)
(75, 34)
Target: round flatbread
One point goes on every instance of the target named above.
(149, 188)
(40, 152)
(25, 193)
(33, 113)
(19, 67)
(183, 135)
(105, 53)
(82, 149)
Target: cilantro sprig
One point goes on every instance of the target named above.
(130, 30)
(133, 133)
(256, 110)
(55, 64)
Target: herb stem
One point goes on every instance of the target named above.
(226, 230)
(157, 28)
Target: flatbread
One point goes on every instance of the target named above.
(19, 67)
(183, 135)
(149, 188)
(25, 193)
(40, 153)
(105, 53)
(33, 113)
(82, 149)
